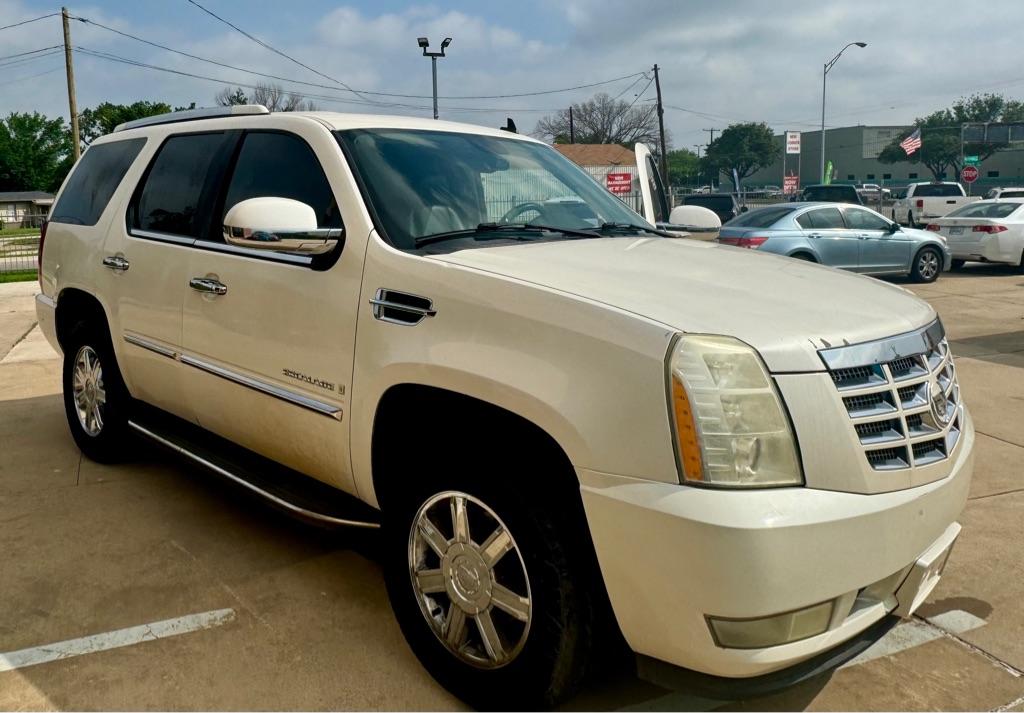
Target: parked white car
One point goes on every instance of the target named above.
(1005, 193)
(926, 201)
(986, 231)
(871, 191)
(743, 463)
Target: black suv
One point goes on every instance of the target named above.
(723, 205)
(831, 194)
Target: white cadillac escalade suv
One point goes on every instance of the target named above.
(564, 421)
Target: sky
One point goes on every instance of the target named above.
(721, 61)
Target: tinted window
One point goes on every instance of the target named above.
(720, 203)
(762, 217)
(95, 178)
(937, 190)
(822, 219)
(985, 210)
(282, 166)
(841, 194)
(170, 200)
(865, 220)
(1012, 194)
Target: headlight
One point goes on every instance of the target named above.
(731, 428)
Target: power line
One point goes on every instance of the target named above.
(29, 60)
(31, 76)
(25, 22)
(637, 97)
(22, 54)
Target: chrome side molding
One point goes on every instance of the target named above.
(234, 477)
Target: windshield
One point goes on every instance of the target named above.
(937, 190)
(761, 217)
(423, 183)
(984, 210)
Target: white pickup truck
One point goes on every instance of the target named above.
(925, 201)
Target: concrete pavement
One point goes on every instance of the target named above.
(91, 551)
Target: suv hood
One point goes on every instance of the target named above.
(786, 309)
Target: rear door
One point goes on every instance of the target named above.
(881, 250)
(827, 233)
(271, 355)
(147, 256)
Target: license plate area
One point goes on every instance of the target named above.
(956, 230)
(925, 573)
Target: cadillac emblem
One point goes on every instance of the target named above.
(940, 404)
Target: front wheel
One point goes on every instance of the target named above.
(487, 591)
(927, 265)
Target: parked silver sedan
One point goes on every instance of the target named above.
(850, 237)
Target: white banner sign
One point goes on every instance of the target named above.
(793, 142)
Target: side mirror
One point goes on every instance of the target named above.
(744, 209)
(894, 228)
(279, 224)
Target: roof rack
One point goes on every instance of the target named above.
(194, 115)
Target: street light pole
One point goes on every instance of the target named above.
(424, 43)
(824, 75)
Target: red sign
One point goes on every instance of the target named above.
(790, 184)
(969, 174)
(619, 183)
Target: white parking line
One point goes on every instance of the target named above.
(115, 639)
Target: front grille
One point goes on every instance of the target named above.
(905, 410)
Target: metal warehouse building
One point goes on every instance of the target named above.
(854, 151)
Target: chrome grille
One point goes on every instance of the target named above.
(902, 397)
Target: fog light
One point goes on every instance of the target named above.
(772, 630)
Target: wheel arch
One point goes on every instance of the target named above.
(73, 304)
(802, 251)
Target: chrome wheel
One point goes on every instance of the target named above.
(474, 594)
(928, 265)
(89, 394)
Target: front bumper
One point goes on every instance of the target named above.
(673, 555)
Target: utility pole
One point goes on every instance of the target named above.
(572, 127)
(712, 132)
(711, 178)
(76, 145)
(698, 147)
(661, 128)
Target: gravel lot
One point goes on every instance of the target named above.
(281, 616)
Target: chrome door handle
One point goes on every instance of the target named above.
(814, 235)
(116, 262)
(208, 285)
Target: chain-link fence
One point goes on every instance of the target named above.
(19, 245)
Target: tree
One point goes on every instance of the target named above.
(272, 96)
(94, 123)
(683, 167)
(35, 152)
(747, 147)
(603, 120)
(940, 133)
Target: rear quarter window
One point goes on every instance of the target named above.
(98, 174)
(985, 210)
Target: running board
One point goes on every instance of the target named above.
(295, 493)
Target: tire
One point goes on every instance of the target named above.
(910, 220)
(957, 264)
(806, 257)
(1020, 264)
(541, 660)
(96, 400)
(927, 265)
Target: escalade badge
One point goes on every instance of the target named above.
(312, 380)
(939, 401)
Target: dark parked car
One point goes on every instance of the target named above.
(831, 194)
(723, 205)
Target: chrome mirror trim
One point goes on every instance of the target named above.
(302, 242)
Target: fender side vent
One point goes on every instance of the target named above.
(401, 307)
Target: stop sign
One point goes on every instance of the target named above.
(969, 174)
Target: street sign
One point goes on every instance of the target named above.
(969, 174)
(790, 185)
(972, 160)
(619, 183)
(793, 142)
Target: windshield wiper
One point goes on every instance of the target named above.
(634, 227)
(483, 228)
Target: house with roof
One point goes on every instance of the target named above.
(24, 209)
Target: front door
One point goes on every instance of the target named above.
(270, 335)
(831, 240)
(881, 248)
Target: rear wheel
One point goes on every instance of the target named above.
(490, 591)
(806, 257)
(927, 265)
(96, 400)
(1020, 263)
(910, 220)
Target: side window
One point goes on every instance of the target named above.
(169, 201)
(863, 220)
(282, 166)
(822, 219)
(95, 178)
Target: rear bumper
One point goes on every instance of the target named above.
(671, 556)
(990, 248)
(46, 315)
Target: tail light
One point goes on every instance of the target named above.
(989, 229)
(919, 202)
(932, 227)
(752, 243)
(39, 255)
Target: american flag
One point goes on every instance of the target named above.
(912, 143)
